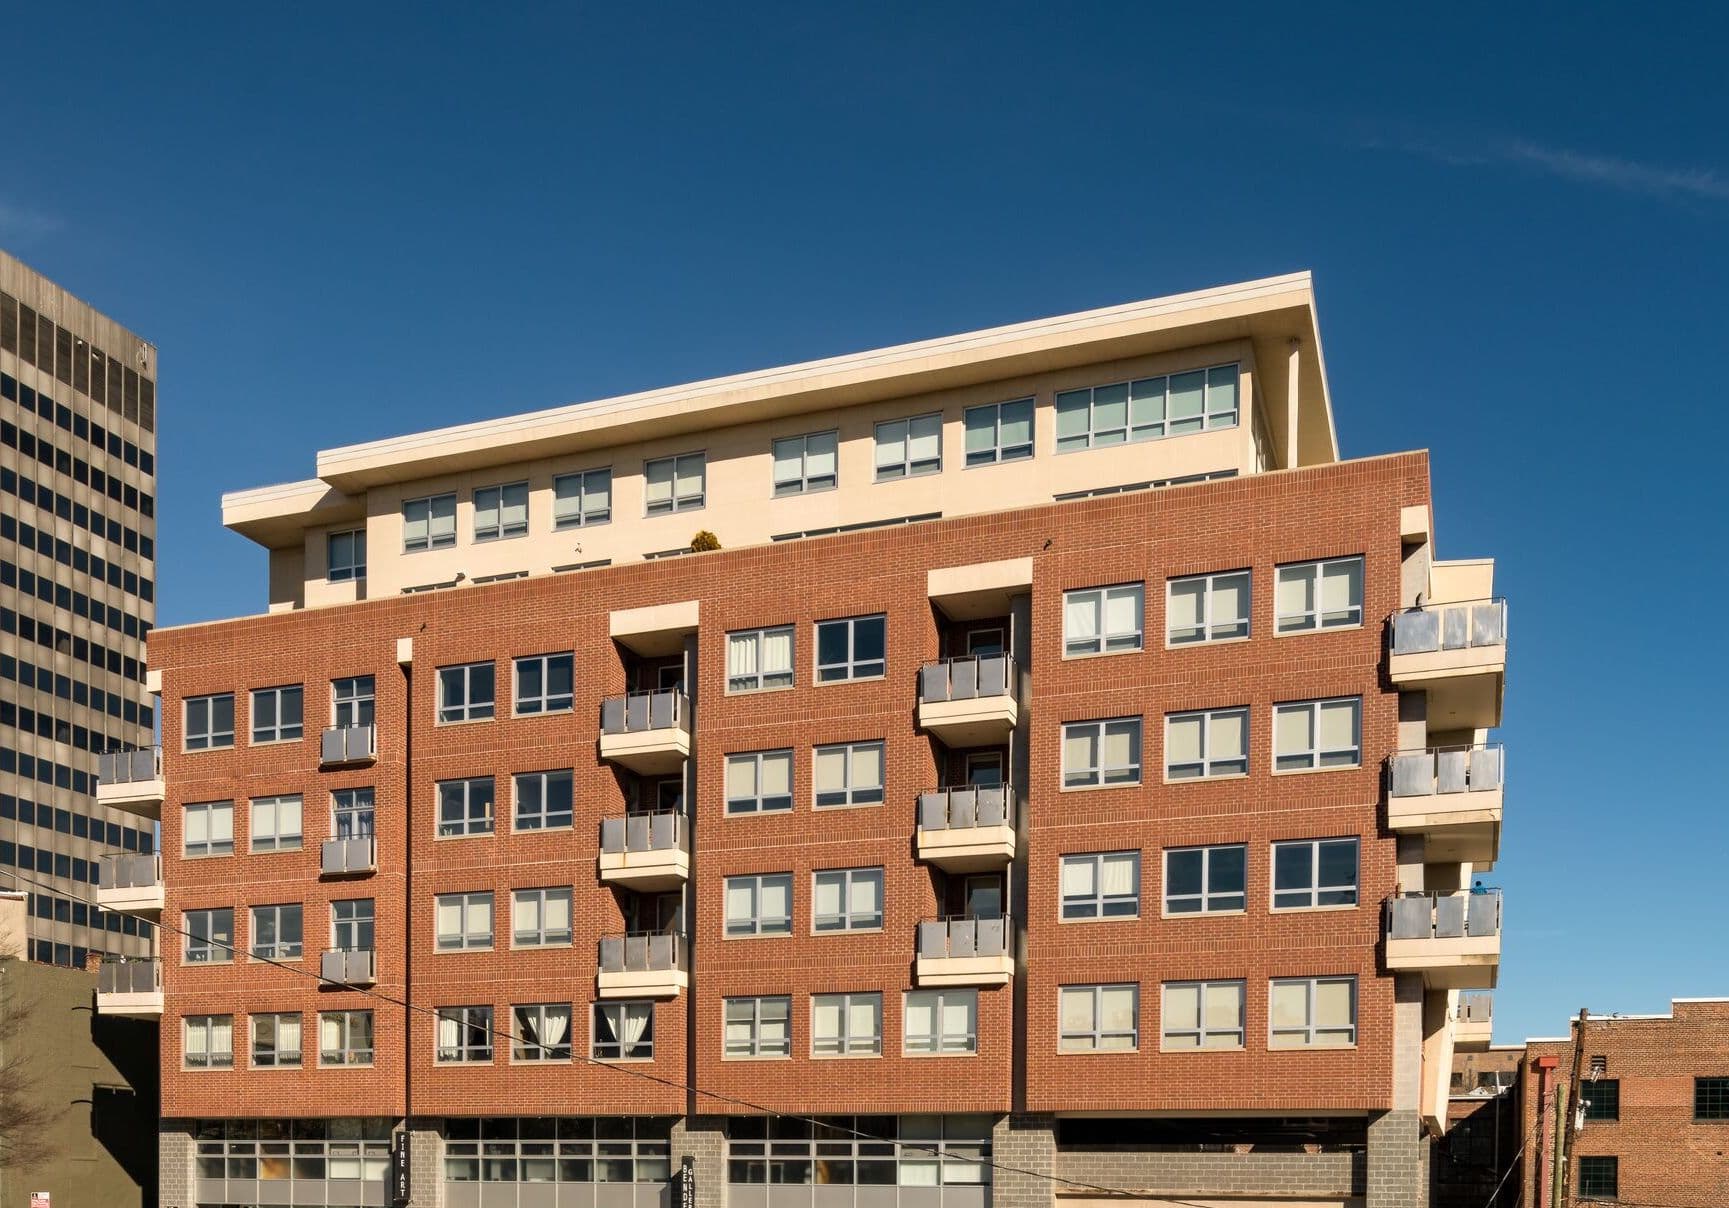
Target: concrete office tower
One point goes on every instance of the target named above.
(1021, 792)
(77, 600)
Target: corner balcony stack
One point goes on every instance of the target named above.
(645, 852)
(965, 952)
(132, 781)
(1452, 939)
(343, 746)
(642, 965)
(130, 987)
(354, 856)
(966, 829)
(1473, 1021)
(131, 884)
(1457, 652)
(969, 701)
(1451, 796)
(349, 966)
(647, 732)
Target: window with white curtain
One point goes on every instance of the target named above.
(345, 1038)
(848, 774)
(276, 1040)
(1317, 734)
(759, 905)
(1097, 1019)
(846, 1025)
(909, 447)
(209, 935)
(940, 1021)
(757, 1027)
(464, 920)
(1102, 752)
(542, 1032)
(351, 813)
(582, 499)
(1210, 742)
(1314, 872)
(1103, 620)
(1206, 880)
(758, 659)
(674, 484)
(208, 829)
(275, 823)
(623, 1031)
(1147, 409)
(464, 1034)
(759, 782)
(428, 523)
(847, 899)
(999, 432)
(500, 511)
(805, 463)
(209, 1042)
(1101, 885)
(1312, 1012)
(1202, 1015)
(540, 918)
(1207, 608)
(1320, 595)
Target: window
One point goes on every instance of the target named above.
(1098, 1018)
(542, 1032)
(276, 713)
(674, 484)
(759, 782)
(209, 721)
(1148, 409)
(540, 918)
(209, 936)
(759, 905)
(1317, 734)
(351, 813)
(276, 823)
(623, 1031)
(209, 1042)
(1711, 1098)
(582, 499)
(850, 649)
(1313, 1012)
(907, 447)
(1206, 880)
(465, 1034)
(846, 1025)
(352, 701)
(999, 432)
(1207, 608)
(1102, 885)
(345, 556)
(276, 1040)
(351, 925)
(345, 1038)
(1600, 1176)
(847, 899)
(758, 659)
(1102, 620)
(209, 829)
(758, 1027)
(428, 523)
(1314, 872)
(501, 511)
(544, 683)
(543, 800)
(465, 807)
(848, 774)
(1320, 595)
(1203, 1015)
(941, 1021)
(805, 463)
(1212, 742)
(1602, 1099)
(464, 920)
(1102, 752)
(519, 1150)
(276, 932)
(465, 692)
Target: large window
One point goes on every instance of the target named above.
(848, 774)
(623, 1031)
(1211, 742)
(544, 683)
(428, 523)
(464, 921)
(932, 1152)
(1602, 1099)
(465, 692)
(345, 1038)
(759, 782)
(907, 447)
(1320, 595)
(805, 463)
(345, 556)
(1711, 1098)
(209, 1042)
(1147, 409)
(1202, 1015)
(465, 807)
(209, 721)
(1102, 885)
(1314, 872)
(846, 1025)
(340, 1147)
(1098, 1018)
(351, 813)
(759, 905)
(464, 1034)
(1317, 734)
(209, 936)
(1207, 608)
(1102, 620)
(276, 932)
(850, 648)
(758, 1027)
(209, 829)
(276, 823)
(540, 918)
(1102, 752)
(542, 1032)
(500, 511)
(277, 713)
(352, 701)
(941, 1021)
(352, 924)
(1313, 1012)
(276, 1040)
(674, 484)
(544, 800)
(564, 1149)
(758, 659)
(847, 899)
(1600, 1177)
(999, 432)
(1206, 880)
(582, 499)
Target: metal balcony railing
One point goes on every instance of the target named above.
(129, 767)
(642, 952)
(967, 677)
(349, 966)
(1474, 1008)
(130, 977)
(964, 808)
(659, 710)
(1433, 627)
(1442, 916)
(124, 870)
(343, 857)
(642, 832)
(963, 937)
(1445, 770)
(348, 744)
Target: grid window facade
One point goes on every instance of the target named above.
(1206, 743)
(209, 1042)
(209, 722)
(278, 713)
(1318, 734)
(1147, 409)
(759, 782)
(544, 683)
(345, 556)
(276, 932)
(428, 523)
(1095, 1019)
(940, 1022)
(566, 1149)
(1602, 1099)
(1312, 1012)
(501, 511)
(542, 1032)
(848, 774)
(465, 693)
(582, 499)
(803, 464)
(1314, 872)
(276, 1040)
(932, 1152)
(353, 701)
(1103, 620)
(345, 1038)
(540, 918)
(1102, 885)
(1319, 595)
(674, 484)
(1202, 1015)
(1711, 1098)
(351, 813)
(906, 448)
(847, 899)
(1207, 608)
(209, 936)
(623, 1031)
(759, 658)
(1600, 1177)
(759, 905)
(758, 1027)
(851, 648)
(464, 1034)
(544, 800)
(465, 807)
(463, 921)
(208, 829)
(1102, 752)
(276, 823)
(846, 1025)
(1206, 880)
(998, 432)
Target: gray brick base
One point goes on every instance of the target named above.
(703, 1140)
(1398, 1161)
(425, 1165)
(177, 1155)
(1029, 1144)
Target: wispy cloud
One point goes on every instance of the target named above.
(20, 223)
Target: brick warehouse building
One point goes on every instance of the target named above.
(1067, 780)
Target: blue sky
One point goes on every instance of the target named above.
(341, 222)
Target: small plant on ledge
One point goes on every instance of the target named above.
(704, 541)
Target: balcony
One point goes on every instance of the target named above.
(1472, 1022)
(131, 781)
(1452, 939)
(642, 965)
(1458, 653)
(645, 851)
(969, 701)
(647, 732)
(964, 952)
(345, 746)
(130, 987)
(131, 884)
(1452, 796)
(352, 857)
(349, 966)
(966, 829)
